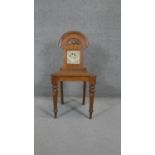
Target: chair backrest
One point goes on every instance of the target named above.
(73, 44)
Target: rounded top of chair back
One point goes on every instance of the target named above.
(73, 38)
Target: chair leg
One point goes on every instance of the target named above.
(55, 95)
(84, 92)
(91, 99)
(61, 90)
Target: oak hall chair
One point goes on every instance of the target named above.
(73, 44)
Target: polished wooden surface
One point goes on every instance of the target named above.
(62, 94)
(73, 72)
(84, 92)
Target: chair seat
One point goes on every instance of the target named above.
(73, 73)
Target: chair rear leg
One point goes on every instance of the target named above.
(61, 90)
(84, 93)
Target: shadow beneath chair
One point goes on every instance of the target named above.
(72, 108)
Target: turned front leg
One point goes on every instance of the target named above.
(55, 96)
(91, 99)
